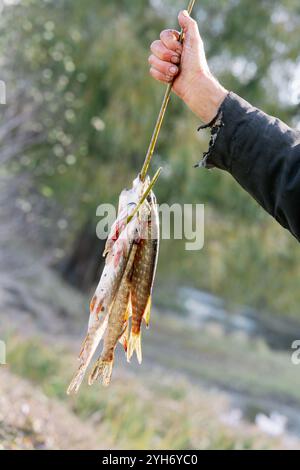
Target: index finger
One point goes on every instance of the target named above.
(170, 38)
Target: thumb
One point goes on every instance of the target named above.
(189, 27)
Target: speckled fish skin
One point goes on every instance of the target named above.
(117, 323)
(143, 278)
(128, 199)
(115, 264)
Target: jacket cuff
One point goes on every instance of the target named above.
(232, 113)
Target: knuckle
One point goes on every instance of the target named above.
(166, 56)
(161, 68)
(165, 68)
(173, 70)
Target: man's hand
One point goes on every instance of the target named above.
(187, 66)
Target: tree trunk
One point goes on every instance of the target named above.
(83, 265)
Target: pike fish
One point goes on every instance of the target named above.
(143, 277)
(117, 250)
(117, 324)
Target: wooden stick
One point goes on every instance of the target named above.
(145, 195)
(161, 114)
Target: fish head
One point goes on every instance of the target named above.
(139, 186)
(123, 199)
(129, 198)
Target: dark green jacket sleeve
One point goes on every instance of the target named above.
(263, 155)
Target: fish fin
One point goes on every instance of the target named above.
(105, 252)
(102, 369)
(124, 339)
(93, 303)
(135, 344)
(147, 312)
(108, 246)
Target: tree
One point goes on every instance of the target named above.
(84, 107)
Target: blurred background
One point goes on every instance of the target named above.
(80, 109)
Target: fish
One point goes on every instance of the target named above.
(117, 325)
(128, 200)
(118, 245)
(143, 276)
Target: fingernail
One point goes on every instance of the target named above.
(173, 69)
(175, 59)
(185, 13)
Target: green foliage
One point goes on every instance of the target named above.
(82, 68)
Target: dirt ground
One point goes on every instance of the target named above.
(39, 305)
(30, 420)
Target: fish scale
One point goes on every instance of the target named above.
(141, 282)
(117, 251)
(116, 326)
(143, 277)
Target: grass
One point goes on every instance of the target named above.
(153, 413)
(230, 361)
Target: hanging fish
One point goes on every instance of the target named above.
(117, 250)
(125, 232)
(144, 269)
(117, 324)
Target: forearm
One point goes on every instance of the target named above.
(206, 97)
(263, 155)
(261, 152)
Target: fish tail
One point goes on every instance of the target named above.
(135, 344)
(83, 346)
(102, 369)
(124, 337)
(147, 312)
(77, 380)
(87, 351)
(79, 375)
